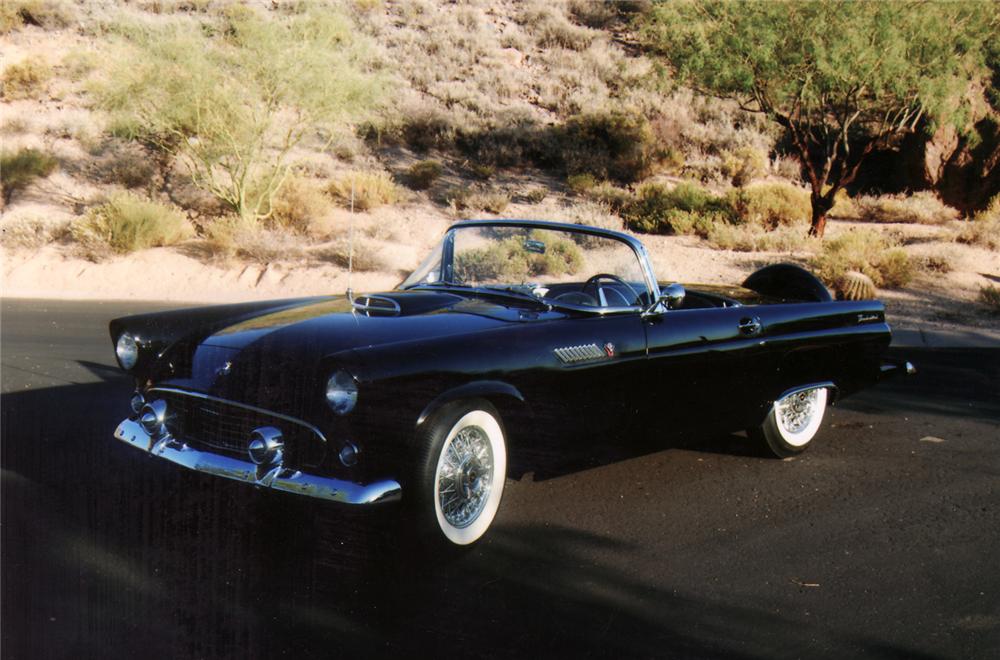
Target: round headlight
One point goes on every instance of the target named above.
(342, 392)
(127, 350)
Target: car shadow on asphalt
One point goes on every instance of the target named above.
(108, 553)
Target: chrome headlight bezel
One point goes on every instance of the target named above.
(127, 351)
(341, 392)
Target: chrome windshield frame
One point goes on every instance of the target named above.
(652, 287)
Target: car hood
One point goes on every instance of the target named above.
(268, 356)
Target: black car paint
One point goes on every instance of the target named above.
(693, 367)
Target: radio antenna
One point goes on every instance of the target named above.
(350, 247)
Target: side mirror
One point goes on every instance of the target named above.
(672, 295)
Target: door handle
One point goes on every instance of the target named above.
(749, 326)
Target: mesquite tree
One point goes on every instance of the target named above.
(842, 78)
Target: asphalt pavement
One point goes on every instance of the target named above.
(881, 541)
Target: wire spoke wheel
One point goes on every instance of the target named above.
(465, 476)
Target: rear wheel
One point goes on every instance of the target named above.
(460, 473)
(793, 422)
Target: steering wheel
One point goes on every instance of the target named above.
(602, 291)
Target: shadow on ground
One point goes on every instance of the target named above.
(107, 553)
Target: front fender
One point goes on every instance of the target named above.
(504, 395)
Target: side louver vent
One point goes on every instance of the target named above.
(376, 306)
(572, 354)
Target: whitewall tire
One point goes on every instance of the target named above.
(793, 422)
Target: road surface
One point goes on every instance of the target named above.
(882, 541)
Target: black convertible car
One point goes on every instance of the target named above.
(509, 330)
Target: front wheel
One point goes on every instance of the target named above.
(793, 422)
(460, 473)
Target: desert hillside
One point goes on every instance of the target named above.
(196, 150)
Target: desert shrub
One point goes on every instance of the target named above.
(125, 163)
(46, 14)
(921, 207)
(755, 238)
(744, 165)
(222, 101)
(536, 195)
(609, 145)
(422, 131)
(32, 232)
(18, 169)
(494, 202)
(989, 295)
(126, 223)
(770, 205)
(685, 208)
(551, 29)
(371, 189)
(610, 195)
(587, 213)
(298, 204)
(597, 15)
(422, 174)
(867, 252)
(509, 261)
(246, 239)
(364, 258)
(482, 171)
(935, 263)
(580, 183)
(25, 79)
(984, 228)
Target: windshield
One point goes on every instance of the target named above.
(558, 266)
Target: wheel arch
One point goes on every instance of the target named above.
(506, 398)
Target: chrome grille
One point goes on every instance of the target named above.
(226, 426)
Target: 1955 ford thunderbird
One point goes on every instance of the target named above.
(509, 330)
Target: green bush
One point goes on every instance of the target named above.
(864, 251)
(685, 208)
(18, 169)
(744, 165)
(509, 261)
(127, 223)
(770, 205)
(609, 145)
(370, 189)
(580, 183)
(422, 174)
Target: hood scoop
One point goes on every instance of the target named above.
(376, 306)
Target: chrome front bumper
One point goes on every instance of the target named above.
(276, 478)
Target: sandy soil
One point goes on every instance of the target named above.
(184, 274)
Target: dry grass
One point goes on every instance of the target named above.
(755, 238)
(984, 228)
(989, 295)
(46, 14)
(368, 189)
(422, 174)
(26, 79)
(234, 237)
(588, 213)
(868, 252)
(127, 223)
(32, 232)
(770, 205)
(490, 201)
(921, 208)
(126, 163)
(19, 169)
(364, 258)
(299, 205)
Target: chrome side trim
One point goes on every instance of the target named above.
(828, 384)
(278, 478)
(573, 354)
(245, 406)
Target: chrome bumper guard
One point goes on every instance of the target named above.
(276, 478)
